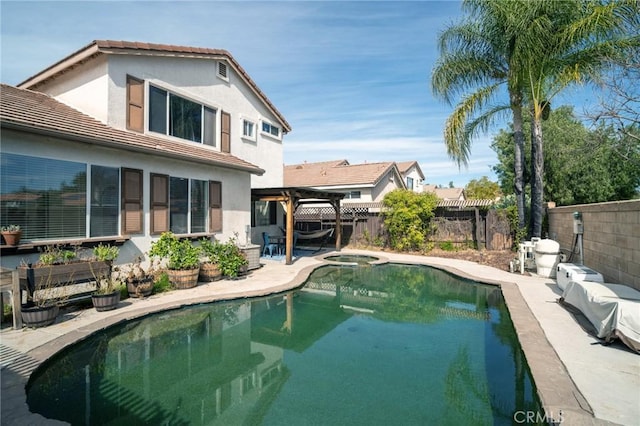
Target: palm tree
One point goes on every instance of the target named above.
(536, 49)
(478, 56)
(565, 43)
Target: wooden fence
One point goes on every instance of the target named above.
(462, 224)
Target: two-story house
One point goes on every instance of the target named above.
(122, 141)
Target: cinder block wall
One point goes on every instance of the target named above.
(611, 238)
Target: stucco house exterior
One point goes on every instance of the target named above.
(412, 175)
(120, 141)
(361, 183)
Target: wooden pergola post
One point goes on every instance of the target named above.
(289, 233)
(336, 206)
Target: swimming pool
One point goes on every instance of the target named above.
(385, 344)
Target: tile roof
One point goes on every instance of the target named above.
(39, 113)
(335, 173)
(445, 193)
(404, 166)
(98, 47)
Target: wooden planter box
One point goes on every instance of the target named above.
(60, 275)
(69, 281)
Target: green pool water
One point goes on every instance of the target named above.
(379, 345)
(352, 259)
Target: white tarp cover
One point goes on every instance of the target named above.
(613, 309)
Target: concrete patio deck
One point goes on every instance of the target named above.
(579, 381)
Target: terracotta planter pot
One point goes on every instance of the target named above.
(39, 316)
(183, 279)
(106, 302)
(140, 288)
(209, 272)
(12, 238)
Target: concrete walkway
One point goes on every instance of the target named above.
(579, 380)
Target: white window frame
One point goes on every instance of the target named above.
(351, 195)
(170, 90)
(269, 134)
(254, 123)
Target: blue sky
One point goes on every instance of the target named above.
(352, 78)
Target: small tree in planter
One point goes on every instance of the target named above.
(183, 259)
(231, 261)
(209, 263)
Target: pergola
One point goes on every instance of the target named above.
(293, 197)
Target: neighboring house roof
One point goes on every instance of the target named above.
(405, 166)
(36, 112)
(99, 47)
(445, 193)
(336, 173)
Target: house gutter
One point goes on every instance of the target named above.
(120, 145)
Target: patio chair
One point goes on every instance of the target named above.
(268, 245)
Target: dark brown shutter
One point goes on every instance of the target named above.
(132, 208)
(159, 203)
(135, 104)
(225, 132)
(215, 206)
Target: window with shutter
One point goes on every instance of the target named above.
(225, 132)
(159, 203)
(132, 208)
(135, 104)
(215, 206)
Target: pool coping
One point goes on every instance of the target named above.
(561, 399)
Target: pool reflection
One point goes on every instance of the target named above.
(368, 345)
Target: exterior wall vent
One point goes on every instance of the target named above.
(223, 72)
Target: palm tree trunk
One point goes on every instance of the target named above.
(519, 162)
(537, 176)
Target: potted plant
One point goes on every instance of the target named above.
(106, 252)
(11, 234)
(43, 303)
(39, 311)
(182, 259)
(209, 268)
(139, 276)
(107, 294)
(231, 261)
